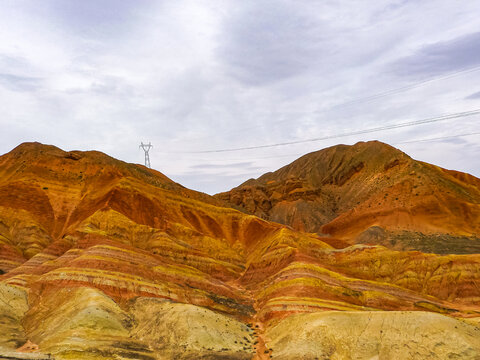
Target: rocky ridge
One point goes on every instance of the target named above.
(369, 193)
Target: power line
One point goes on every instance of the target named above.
(358, 132)
(301, 154)
(437, 138)
(374, 96)
(409, 87)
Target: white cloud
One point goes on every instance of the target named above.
(193, 75)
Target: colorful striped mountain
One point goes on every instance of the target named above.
(353, 252)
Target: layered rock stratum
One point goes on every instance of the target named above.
(101, 259)
(369, 193)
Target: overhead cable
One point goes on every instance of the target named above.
(372, 97)
(335, 136)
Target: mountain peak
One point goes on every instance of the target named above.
(338, 163)
(344, 190)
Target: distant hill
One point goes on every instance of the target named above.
(369, 193)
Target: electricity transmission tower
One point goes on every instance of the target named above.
(146, 149)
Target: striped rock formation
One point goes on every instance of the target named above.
(369, 193)
(101, 259)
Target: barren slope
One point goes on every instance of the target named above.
(369, 193)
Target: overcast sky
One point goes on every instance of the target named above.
(191, 76)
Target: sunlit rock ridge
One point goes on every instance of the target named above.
(353, 252)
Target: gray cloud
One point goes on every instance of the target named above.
(93, 18)
(441, 57)
(20, 83)
(14, 63)
(104, 85)
(270, 41)
(209, 184)
(473, 96)
(456, 141)
(222, 166)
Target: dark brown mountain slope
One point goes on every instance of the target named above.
(370, 193)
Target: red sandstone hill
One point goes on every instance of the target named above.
(102, 259)
(369, 193)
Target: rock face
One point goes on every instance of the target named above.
(369, 193)
(107, 260)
